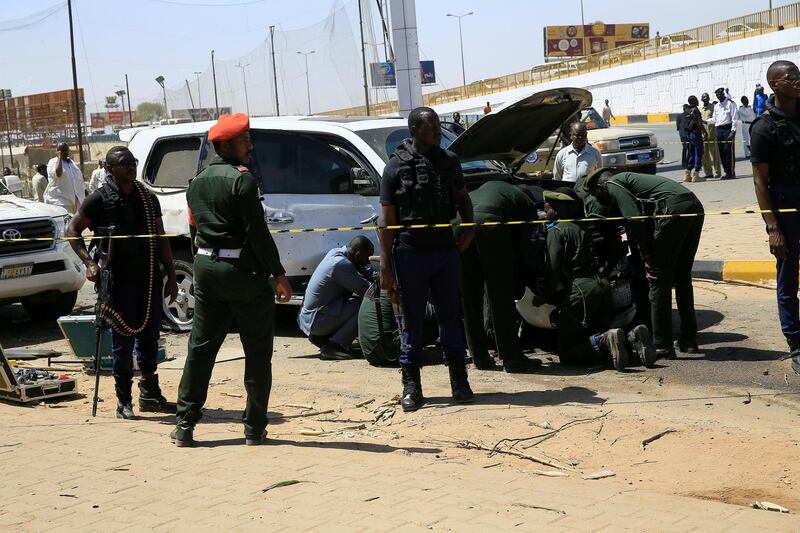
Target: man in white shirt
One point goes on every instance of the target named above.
(65, 187)
(577, 160)
(747, 115)
(98, 176)
(724, 118)
(607, 114)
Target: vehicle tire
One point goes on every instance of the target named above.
(647, 169)
(51, 308)
(178, 316)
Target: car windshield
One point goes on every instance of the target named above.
(386, 140)
(592, 119)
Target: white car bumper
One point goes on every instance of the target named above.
(57, 269)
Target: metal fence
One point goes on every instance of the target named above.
(759, 23)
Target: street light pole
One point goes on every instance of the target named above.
(128, 93)
(583, 32)
(160, 81)
(199, 98)
(6, 95)
(244, 82)
(121, 93)
(461, 39)
(308, 85)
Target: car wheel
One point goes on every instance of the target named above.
(51, 308)
(179, 314)
(647, 169)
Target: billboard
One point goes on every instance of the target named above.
(111, 118)
(576, 41)
(383, 74)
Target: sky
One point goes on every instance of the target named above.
(173, 38)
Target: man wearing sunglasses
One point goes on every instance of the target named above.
(775, 156)
(135, 309)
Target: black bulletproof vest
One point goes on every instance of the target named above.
(787, 133)
(122, 212)
(426, 194)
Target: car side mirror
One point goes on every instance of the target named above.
(361, 182)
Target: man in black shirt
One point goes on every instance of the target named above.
(135, 310)
(775, 156)
(423, 184)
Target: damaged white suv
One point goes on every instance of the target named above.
(324, 172)
(44, 275)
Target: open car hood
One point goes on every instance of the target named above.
(509, 135)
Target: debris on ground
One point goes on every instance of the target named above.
(748, 400)
(655, 437)
(384, 414)
(323, 432)
(281, 484)
(362, 404)
(769, 506)
(529, 506)
(599, 475)
(302, 415)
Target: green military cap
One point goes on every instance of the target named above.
(554, 196)
(589, 181)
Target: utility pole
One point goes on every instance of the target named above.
(308, 85)
(244, 82)
(214, 75)
(363, 56)
(75, 86)
(274, 71)
(6, 95)
(404, 33)
(191, 101)
(199, 97)
(461, 39)
(128, 93)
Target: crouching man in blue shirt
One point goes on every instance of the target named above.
(330, 307)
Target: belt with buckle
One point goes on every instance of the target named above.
(223, 253)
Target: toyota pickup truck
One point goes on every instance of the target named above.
(44, 275)
(632, 149)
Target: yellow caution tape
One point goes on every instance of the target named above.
(435, 226)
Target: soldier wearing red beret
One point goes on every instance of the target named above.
(235, 258)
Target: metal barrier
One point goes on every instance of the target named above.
(759, 23)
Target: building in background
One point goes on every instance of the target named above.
(44, 118)
(576, 41)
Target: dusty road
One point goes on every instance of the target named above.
(733, 408)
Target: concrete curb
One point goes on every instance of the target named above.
(754, 270)
(651, 118)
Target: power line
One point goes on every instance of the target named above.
(195, 4)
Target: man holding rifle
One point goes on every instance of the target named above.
(134, 309)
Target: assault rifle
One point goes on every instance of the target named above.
(103, 287)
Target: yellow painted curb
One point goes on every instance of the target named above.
(620, 120)
(751, 270)
(658, 118)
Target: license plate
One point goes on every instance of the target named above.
(644, 157)
(16, 271)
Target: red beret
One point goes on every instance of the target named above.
(229, 127)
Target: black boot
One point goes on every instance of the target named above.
(183, 435)
(150, 397)
(412, 398)
(688, 345)
(124, 401)
(641, 344)
(459, 385)
(794, 354)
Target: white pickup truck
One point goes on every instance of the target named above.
(44, 275)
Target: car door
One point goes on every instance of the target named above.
(306, 184)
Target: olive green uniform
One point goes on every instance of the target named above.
(670, 242)
(573, 284)
(224, 203)
(711, 148)
(495, 259)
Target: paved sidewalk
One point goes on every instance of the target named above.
(64, 471)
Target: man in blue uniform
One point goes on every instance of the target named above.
(424, 184)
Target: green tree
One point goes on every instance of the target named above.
(149, 111)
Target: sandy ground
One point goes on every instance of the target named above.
(733, 409)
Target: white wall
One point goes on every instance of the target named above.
(662, 84)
